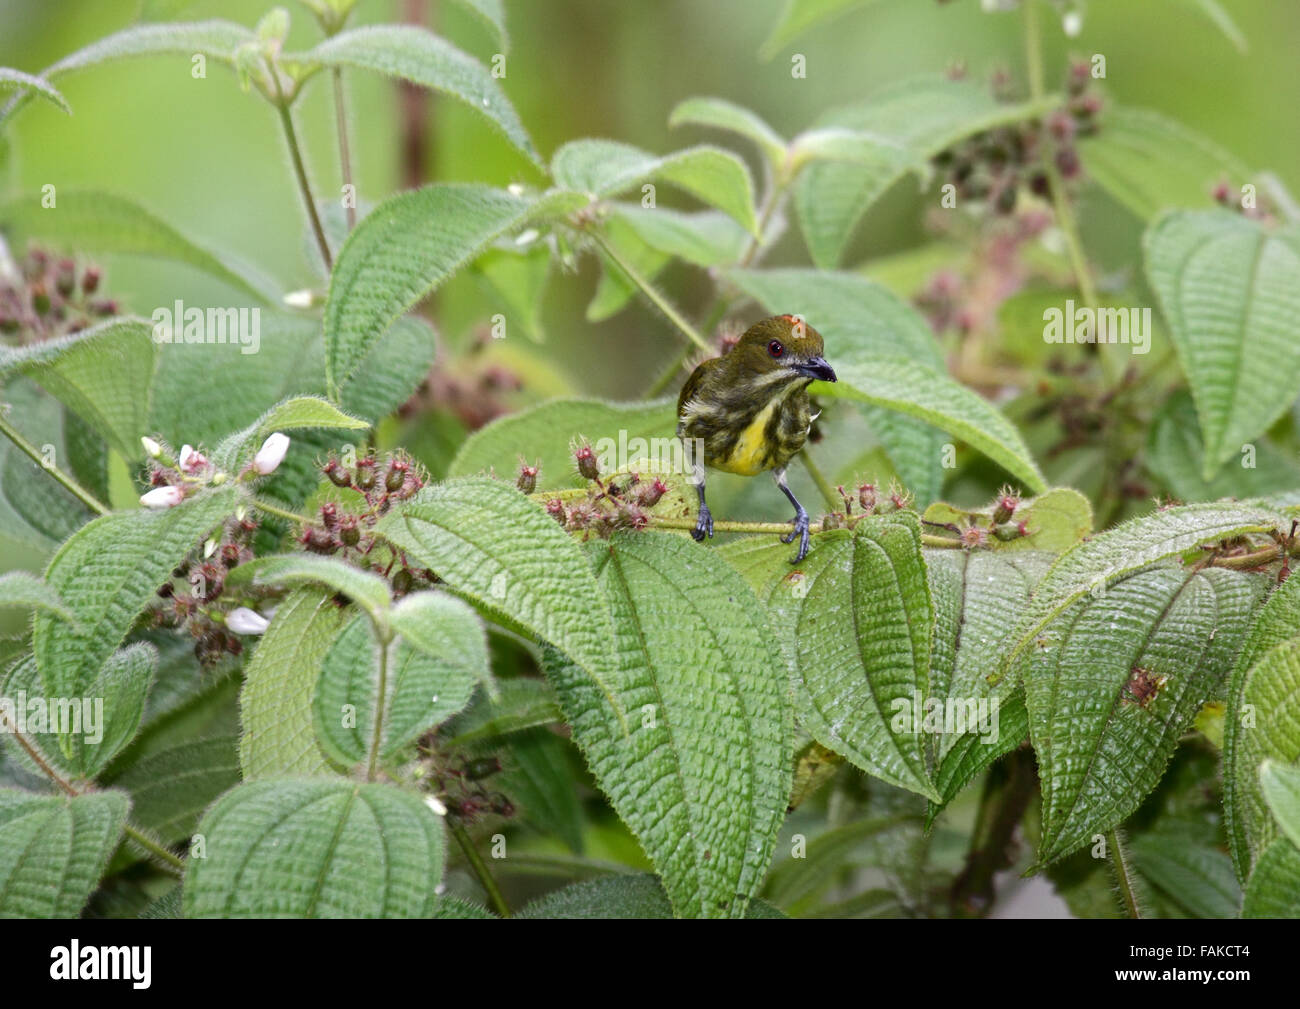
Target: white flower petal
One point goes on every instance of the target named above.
(271, 454)
(246, 621)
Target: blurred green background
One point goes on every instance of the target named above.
(210, 159)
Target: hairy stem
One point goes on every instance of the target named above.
(1123, 875)
(479, 866)
(650, 291)
(1008, 789)
(284, 513)
(69, 484)
(146, 842)
(300, 171)
(345, 155)
(728, 526)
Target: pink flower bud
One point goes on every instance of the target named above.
(245, 621)
(271, 454)
(163, 497)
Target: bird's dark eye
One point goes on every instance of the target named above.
(775, 348)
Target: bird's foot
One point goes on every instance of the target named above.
(703, 525)
(801, 530)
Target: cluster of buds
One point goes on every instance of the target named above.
(457, 783)
(175, 476)
(995, 165)
(348, 530)
(194, 596)
(998, 521)
(870, 500)
(50, 296)
(618, 502)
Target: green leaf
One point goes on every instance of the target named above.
(705, 237)
(1090, 566)
(446, 629)
(1274, 887)
(860, 321)
(978, 597)
(293, 848)
(801, 15)
(704, 777)
(11, 78)
(290, 415)
(545, 433)
(97, 222)
(523, 704)
(907, 123)
(721, 114)
(494, 547)
(405, 248)
(1175, 451)
(1056, 521)
(53, 850)
(519, 277)
(1148, 163)
(215, 39)
(420, 57)
(919, 391)
(422, 688)
(604, 169)
(1280, 786)
(492, 15)
(364, 588)
(795, 882)
(855, 620)
(616, 289)
(26, 590)
(104, 374)
(279, 683)
(538, 777)
(170, 789)
(618, 897)
(1229, 290)
(106, 574)
(1114, 681)
(1194, 875)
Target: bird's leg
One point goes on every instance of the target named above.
(704, 523)
(800, 518)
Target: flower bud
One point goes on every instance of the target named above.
(163, 497)
(403, 580)
(349, 533)
(526, 482)
(245, 621)
(271, 454)
(365, 474)
(151, 448)
(338, 476)
(90, 280)
(648, 494)
(396, 475)
(1006, 506)
(588, 467)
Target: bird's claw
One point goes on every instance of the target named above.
(801, 530)
(703, 525)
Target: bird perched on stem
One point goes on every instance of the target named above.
(748, 411)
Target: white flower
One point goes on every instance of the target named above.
(152, 449)
(1072, 23)
(190, 460)
(300, 299)
(162, 497)
(271, 454)
(435, 804)
(527, 236)
(245, 621)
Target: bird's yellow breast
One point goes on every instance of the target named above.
(749, 456)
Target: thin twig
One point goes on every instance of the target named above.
(283, 513)
(345, 155)
(300, 171)
(71, 485)
(650, 291)
(729, 526)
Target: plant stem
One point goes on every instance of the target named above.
(38, 758)
(729, 526)
(345, 156)
(479, 866)
(283, 513)
(300, 170)
(381, 697)
(832, 498)
(1033, 49)
(650, 291)
(1008, 789)
(1123, 877)
(71, 485)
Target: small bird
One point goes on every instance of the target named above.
(748, 411)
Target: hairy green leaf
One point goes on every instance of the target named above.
(1194, 875)
(1274, 887)
(364, 588)
(492, 15)
(301, 848)
(416, 55)
(1229, 290)
(801, 15)
(106, 574)
(522, 704)
(26, 590)
(721, 114)
(518, 276)
(53, 850)
(170, 789)
(617, 897)
(280, 681)
(705, 237)
(1114, 681)
(704, 777)
(1280, 785)
(607, 168)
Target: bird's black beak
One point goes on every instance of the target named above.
(816, 367)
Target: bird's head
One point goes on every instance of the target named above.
(783, 344)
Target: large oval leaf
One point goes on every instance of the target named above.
(704, 778)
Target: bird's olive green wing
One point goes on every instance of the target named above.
(697, 379)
